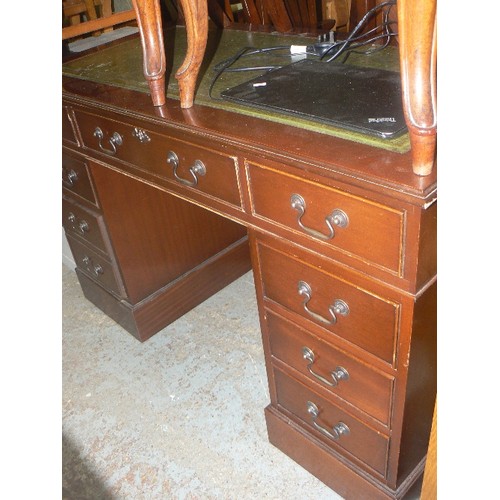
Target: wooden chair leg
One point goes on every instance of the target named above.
(150, 26)
(196, 16)
(417, 45)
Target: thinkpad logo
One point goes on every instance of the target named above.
(380, 120)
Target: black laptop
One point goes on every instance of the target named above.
(364, 100)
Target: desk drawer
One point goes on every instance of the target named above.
(76, 178)
(350, 224)
(366, 388)
(341, 307)
(336, 428)
(182, 162)
(87, 225)
(67, 128)
(95, 266)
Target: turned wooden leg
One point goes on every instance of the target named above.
(150, 26)
(417, 45)
(196, 16)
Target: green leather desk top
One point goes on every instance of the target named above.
(121, 65)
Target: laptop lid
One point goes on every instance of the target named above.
(360, 99)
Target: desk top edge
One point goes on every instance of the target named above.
(335, 157)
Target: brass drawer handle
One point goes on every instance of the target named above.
(337, 375)
(196, 169)
(338, 430)
(70, 177)
(339, 307)
(83, 226)
(91, 267)
(115, 140)
(337, 218)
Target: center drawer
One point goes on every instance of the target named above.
(180, 161)
(344, 309)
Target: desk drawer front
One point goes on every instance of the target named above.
(349, 224)
(67, 128)
(333, 426)
(342, 308)
(96, 267)
(182, 162)
(85, 224)
(76, 178)
(334, 370)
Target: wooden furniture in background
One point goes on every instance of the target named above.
(74, 9)
(303, 15)
(283, 15)
(340, 10)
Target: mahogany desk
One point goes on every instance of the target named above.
(165, 205)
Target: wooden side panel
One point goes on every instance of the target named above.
(421, 385)
(427, 251)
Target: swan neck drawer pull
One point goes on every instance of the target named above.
(115, 140)
(196, 169)
(338, 308)
(337, 218)
(337, 375)
(338, 430)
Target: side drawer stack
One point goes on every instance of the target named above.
(342, 346)
(85, 227)
(146, 256)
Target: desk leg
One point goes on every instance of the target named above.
(417, 45)
(148, 15)
(196, 16)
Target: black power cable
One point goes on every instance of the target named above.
(355, 40)
(385, 7)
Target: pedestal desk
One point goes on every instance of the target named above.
(163, 205)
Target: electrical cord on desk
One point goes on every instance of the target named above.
(320, 49)
(345, 45)
(224, 66)
(249, 51)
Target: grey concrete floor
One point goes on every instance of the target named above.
(177, 417)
